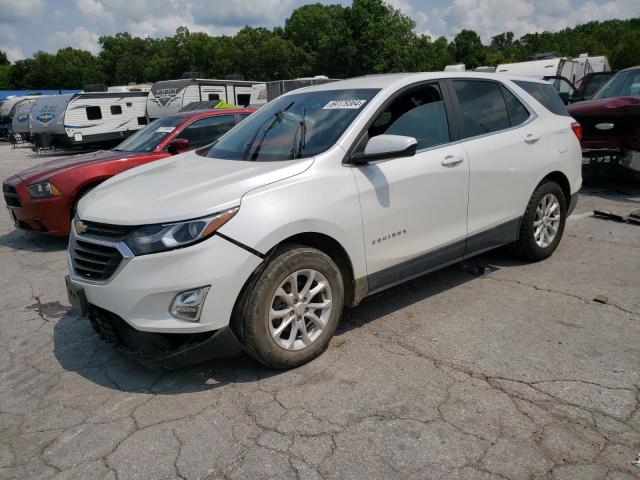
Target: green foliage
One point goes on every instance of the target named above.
(468, 49)
(370, 36)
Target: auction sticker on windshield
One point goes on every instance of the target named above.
(344, 104)
(165, 129)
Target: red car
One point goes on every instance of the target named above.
(611, 120)
(43, 197)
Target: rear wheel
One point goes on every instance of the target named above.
(293, 309)
(543, 223)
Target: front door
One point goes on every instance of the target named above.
(414, 209)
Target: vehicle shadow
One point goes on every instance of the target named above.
(78, 348)
(33, 242)
(401, 296)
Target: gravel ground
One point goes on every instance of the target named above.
(515, 373)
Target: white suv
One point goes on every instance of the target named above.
(322, 197)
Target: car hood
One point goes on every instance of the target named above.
(181, 187)
(605, 106)
(44, 171)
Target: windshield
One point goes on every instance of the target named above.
(624, 84)
(293, 126)
(148, 138)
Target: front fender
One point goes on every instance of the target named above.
(307, 203)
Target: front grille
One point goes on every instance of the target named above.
(92, 261)
(11, 197)
(103, 231)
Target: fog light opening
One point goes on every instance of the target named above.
(188, 304)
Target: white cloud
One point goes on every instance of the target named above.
(13, 53)
(20, 11)
(94, 11)
(490, 17)
(80, 37)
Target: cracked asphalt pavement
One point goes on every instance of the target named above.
(490, 370)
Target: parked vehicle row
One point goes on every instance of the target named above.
(322, 197)
(43, 198)
(326, 195)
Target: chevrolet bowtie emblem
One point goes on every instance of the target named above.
(80, 227)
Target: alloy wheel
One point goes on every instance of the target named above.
(300, 309)
(547, 220)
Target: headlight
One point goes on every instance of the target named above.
(43, 190)
(167, 236)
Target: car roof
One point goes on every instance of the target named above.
(210, 112)
(380, 81)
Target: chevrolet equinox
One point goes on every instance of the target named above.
(322, 197)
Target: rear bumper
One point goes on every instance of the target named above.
(627, 158)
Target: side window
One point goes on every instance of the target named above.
(93, 113)
(482, 106)
(116, 110)
(419, 113)
(243, 99)
(206, 130)
(545, 94)
(517, 113)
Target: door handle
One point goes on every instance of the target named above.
(531, 138)
(452, 161)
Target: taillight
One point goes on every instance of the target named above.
(577, 129)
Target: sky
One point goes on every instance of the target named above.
(30, 25)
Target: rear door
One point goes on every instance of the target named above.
(414, 209)
(507, 151)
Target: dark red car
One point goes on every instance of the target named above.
(43, 197)
(611, 120)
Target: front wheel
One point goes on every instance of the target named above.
(543, 223)
(293, 309)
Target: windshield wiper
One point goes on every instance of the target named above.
(277, 117)
(296, 152)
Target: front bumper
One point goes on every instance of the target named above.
(162, 350)
(142, 290)
(44, 215)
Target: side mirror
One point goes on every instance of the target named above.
(386, 146)
(178, 145)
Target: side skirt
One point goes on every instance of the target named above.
(443, 257)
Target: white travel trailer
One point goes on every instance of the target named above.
(280, 87)
(170, 96)
(103, 118)
(460, 67)
(20, 120)
(598, 63)
(568, 68)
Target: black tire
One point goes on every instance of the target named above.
(526, 247)
(256, 337)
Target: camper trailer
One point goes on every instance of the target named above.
(20, 120)
(598, 63)
(81, 119)
(568, 68)
(280, 87)
(170, 96)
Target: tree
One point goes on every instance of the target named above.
(323, 32)
(468, 49)
(383, 38)
(4, 61)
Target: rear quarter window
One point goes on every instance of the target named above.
(546, 95)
